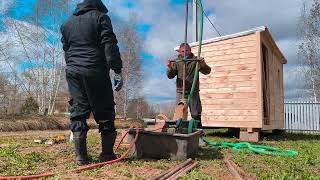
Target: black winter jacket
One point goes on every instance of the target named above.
(89, 42)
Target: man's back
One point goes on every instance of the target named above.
(85, 35)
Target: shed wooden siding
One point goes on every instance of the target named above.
(276, 88)
(230, 94)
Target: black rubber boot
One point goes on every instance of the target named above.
(107, 142)
(80, 143)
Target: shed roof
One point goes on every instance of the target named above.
(239, 34)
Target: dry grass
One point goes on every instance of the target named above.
(27, 123)
(14, 123)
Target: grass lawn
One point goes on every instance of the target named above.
(20, 156)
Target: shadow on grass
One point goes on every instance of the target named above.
(290, 136)
(210, 154)
(266, 135)
(226, 133)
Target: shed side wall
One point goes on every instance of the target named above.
(229, 94)
(276, 88)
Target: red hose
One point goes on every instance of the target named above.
(28, 177)
(83, 168)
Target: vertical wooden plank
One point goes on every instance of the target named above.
(296, 115)
(259, 79)
(315, 108)
(300, 124)
(290, 115)
(293, 115)
(305, 121)
(302, 118)
(297, 120)
(285, 116)
(313, 116)
(308, 115)
(282, 90)
(318, 116)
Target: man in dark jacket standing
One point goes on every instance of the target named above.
(176, 69)
(91, 50)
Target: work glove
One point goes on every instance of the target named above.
(118, 81)
(169, 64)
(202, 63)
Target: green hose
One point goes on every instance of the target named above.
(200, 37)
(237, 147)
(247, 147)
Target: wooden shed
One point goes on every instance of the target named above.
(245, 89)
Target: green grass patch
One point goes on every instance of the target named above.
(19, 164)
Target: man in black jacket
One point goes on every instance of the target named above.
(176, 69)
(91, 50)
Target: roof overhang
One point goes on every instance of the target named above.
(236, 35)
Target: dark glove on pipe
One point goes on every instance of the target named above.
(118, 81)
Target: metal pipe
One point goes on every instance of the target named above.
(165, 173)
(186, 23)
(183, 171)
(185, 46)
(232, 169)
(195, 20)
(176, 169)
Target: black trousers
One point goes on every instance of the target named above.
(91, 93)
(195, 106)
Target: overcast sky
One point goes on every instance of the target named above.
(164, 20)
(161, 23)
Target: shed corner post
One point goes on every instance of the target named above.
(259, 79)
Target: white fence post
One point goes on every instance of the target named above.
(302, 116)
